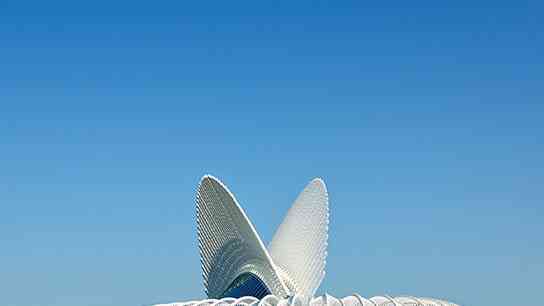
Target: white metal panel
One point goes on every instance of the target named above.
(299, 246)
(228, 242)
(325, 300)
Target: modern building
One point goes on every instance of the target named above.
(235, 261)
(239, 270)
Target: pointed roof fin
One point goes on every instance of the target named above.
(299, 246)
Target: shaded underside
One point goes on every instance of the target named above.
(247, 284)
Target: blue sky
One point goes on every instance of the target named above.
(425, 120)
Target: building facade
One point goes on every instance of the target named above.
(238, 269)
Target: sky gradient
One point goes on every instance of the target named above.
(426, 123)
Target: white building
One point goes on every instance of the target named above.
(239, 270)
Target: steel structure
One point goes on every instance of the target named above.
(239, 270)
(236, 263)
(324, 300)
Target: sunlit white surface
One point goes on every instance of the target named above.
(299, 246)
(324, 300)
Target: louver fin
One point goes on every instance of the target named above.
(299, 246)
(229, 246)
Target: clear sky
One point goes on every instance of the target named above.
(426, 122)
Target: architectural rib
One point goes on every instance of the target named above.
(324, 300)
(228, 243)
(299, 246)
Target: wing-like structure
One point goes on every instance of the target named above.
(234, 259)
(299, 246)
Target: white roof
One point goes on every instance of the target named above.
(230, 246)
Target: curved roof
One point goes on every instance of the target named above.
(324, 300)
(230, 246)
(228, 243)
(299, 246)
